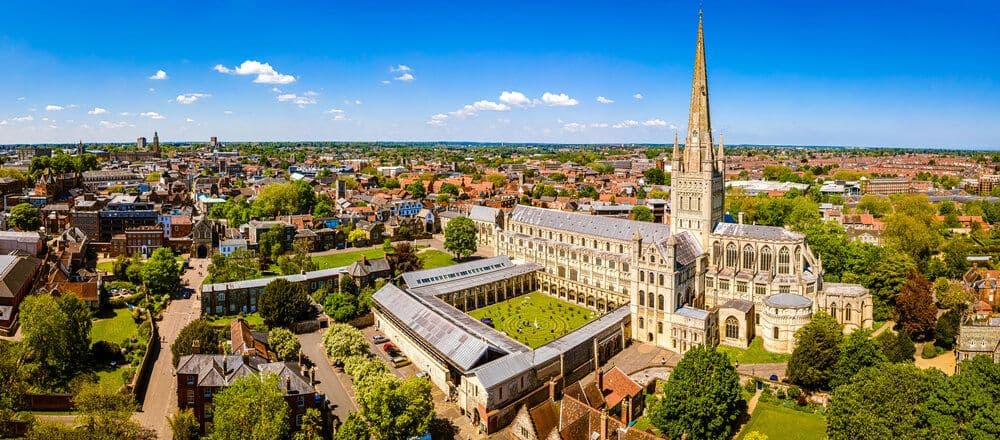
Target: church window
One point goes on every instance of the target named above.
(761, 289)
(765, 258)
(642, 298)
(598, 261)
(649, 299)
(732, 328)
(659, 327)
(798, 256)
(659, 302)
(724, 284)
(642, 276)
(784, 289)
(783, 260)
(741, 286)
(731, 255)
(748, 257)
(641, 322)
(709, 282)
(624, 267)
(661, 279)
(847, 313)
(777, 333)
(621, 249)
(833, 309)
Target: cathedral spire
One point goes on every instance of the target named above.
(677, 154)
(699, 136)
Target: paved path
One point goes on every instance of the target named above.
(161, 394)
(329, 380)
(885, 326)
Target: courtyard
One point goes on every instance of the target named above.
(535, 319)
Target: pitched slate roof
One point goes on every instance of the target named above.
(607, 227)
(756, 231)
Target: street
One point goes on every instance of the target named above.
(328, 380)
(161, 399)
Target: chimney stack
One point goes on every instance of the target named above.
(288, 384)
(740, 217)
(196, 347)
(604, 424)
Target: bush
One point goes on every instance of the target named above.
(780, 394)
(794, 392)
(106, 351)
(750, 386)
(930, 351)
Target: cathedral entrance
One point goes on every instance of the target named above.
(202, 251)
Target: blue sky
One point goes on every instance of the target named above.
(780, 72)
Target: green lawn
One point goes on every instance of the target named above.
(107, 266)
(346, 258)
(755, 354)
(535, 319)
(114, 325)
(434, 258)
(778, 422)
(253, 319)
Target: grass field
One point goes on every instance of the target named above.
(107, 266)
(778, 422)
(535, 319)
(115, 327)
(346, 258)
(434, 258)
(253, 319)
(755, 354)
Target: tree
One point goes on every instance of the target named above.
(341, 306)
(654, 176)
(857, 351)
(701, 399)
(394, 408)
(106, 414)
(880, 403)
(587, 191)
(354, 428)
(416, 190)
(403, 259)
(361, 367)
(24, 217)
(298, 261)
(252, 407)
(240, 265)
(356, 236)
(817, 348)
(183, 424)
(966, 404)
(348, 285)
(12, 383)
(951, 294)
(284, 303)
(342, 341)
(312, 426)
(284, 343)
(271, 243)
(449, 188)
(198, 330)
(161, 274)
(284, 199)
(642, 213)
(460, 237)
(875, 205)
(946, 329)
(910, 235)
(885, 279)
(897, 347)
(915, 306)
(57, 333)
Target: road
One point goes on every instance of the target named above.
(329, 381)
(161, 394)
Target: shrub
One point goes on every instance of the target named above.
(780, 393)
(106, 351)
(930, 351)
(794, 392)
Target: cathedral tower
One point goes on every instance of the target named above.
(698, 191)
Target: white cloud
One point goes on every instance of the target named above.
(152, 90)
(400, 68)
(3, 122)
(405, 77)
(307, 98)
(227, 112)
(604, 100)
(97, 111)
(21, 98)
(574, 127)
(112, 124)
(638, 96)
(476, 107)
(125, 114)
(558, 100)
(654, 123)
(437, 120)
(385, 81)
(514, 98)
(53, 108)
(190, 98)
(25, 118)
(275, 90)
(628, 123)
(159, 75)
(188, 120)
(152, 115)
(599, 124)
(355, 101)
(265, 73)
(338, 114)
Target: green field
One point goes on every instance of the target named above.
(755, 354)
(779, 422)
(434, 258)
(253, 319)
(114, 326)
(535, 319)
(346, 258)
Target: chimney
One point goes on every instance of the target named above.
(288, 384)
(552, 390)
(627, 411)
(225, 364)
(599, 378)
(740, 217)
(604, 424)
(196, 347)
(363, 259)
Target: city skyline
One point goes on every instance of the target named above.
(858, 75)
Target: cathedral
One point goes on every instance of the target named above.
(698, 280)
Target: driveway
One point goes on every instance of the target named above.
(161, 394)
(335, 385)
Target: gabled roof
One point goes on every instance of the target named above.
(756, 231)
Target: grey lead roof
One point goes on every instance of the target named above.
(844, 289)
(421, 278)
(483, 213)
(607, 227)
(474, 280)
(788, 301)
(756, 231)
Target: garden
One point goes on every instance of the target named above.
(534, 319)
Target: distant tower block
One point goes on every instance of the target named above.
(213, 142)
(156, 144)
(79, 148)
(341, 189)
(140, 143)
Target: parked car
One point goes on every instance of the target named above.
(400, 361)
(423, 374)
(378, 339)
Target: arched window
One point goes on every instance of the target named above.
(748, 257)
(642, 297)
(717, 254)
(731, 255)
(777, 332)
(798, 257)
(833, 310)
(659, 302)
(642, 276)
(649, 299)
(661, 279)
(641, 322)
(732, 328)
(765, 258)
(783, 260)
(847, 313)
(659, 327)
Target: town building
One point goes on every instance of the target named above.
(17, 273)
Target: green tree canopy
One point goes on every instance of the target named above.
(57, 333)
(394, 408)
(198, 330)
(897, 347)
(701, 399)
(857, 351)
(880, 403)
(817, 349)
(342, 341)
(25, 217)
(285, 303)
(460, 237)
(654, 176)
(642, 213)
(252, 407)
(288, 198)
(284, 343)
(161, 274)
(915, 306)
